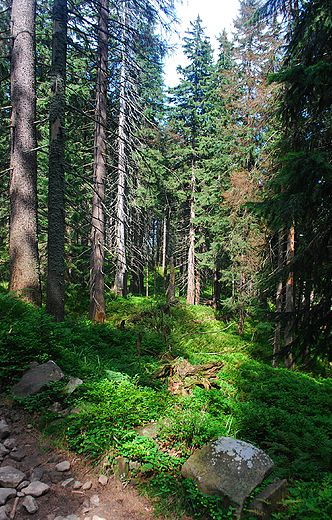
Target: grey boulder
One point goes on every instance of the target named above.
(6, 494)
(36, 489)
(3, 450)
(10, 477)
(4, 429)
(30, 504)
(3, 515)
(36, 377)
(228, 468)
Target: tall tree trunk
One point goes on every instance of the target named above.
(289, 300)
(171, 286)
(23, 242)
(97, 289)
(240, 327)
(120, 285)
(165, 244)
(55, 296)
(308, 301)
(198, 283)
(276, 345)
(191, 251)
(216, 288)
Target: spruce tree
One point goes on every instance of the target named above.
(23, 245)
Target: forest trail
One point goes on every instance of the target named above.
(111, 501)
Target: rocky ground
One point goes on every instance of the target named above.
(39, 483)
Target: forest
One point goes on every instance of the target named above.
(140, 224)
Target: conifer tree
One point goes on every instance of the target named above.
(189, 120)
(55, 298)
(97, 297)
(23, 245)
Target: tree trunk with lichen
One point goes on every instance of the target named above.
(289, 301)
(97, 289)
(120, 284)
(23, 242)
(191, 251)
(55, 297)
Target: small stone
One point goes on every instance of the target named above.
(3, 450)
(63, 466)
(267, 501)
(36, 489)
(121, 468)
(37, 474)
(20, 494)
(53, 459)
(96, 517)
(6, 494)
(77, 484)
(3, 515)
(4, 429)
(68, 482)
(87, 518)
(103, 480)
(87, 485)
(23, 484)
(59, 517)
(33, 461)
(94, 501)
(72, 384)
(30, 504)
(86, 504)
(10, 443)
(72, 517)
(29, 426)
(50, 517)
(55, 476)
(10, 477)
(18, 455)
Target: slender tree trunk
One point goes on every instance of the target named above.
(240, 327)
(55, 297)
(23, 242)
(191, 252)
(97, 289)
(276, 345)
(164, 241)
(198, 273)
(120, 286)
(289, 299)
(216, 289)
(171, 286)
(308, 301)
(165, 245)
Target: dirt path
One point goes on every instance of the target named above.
(110, 501)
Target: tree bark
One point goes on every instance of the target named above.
(216, 289)
(97, 292)
(23, 241)
(191, 252)
(120, 285)
(289, 300)
(165, 245)
(276, 345)
(171, 286)
(55, 296)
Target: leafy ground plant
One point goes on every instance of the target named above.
(286, 414)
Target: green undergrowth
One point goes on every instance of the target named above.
(286, 414)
